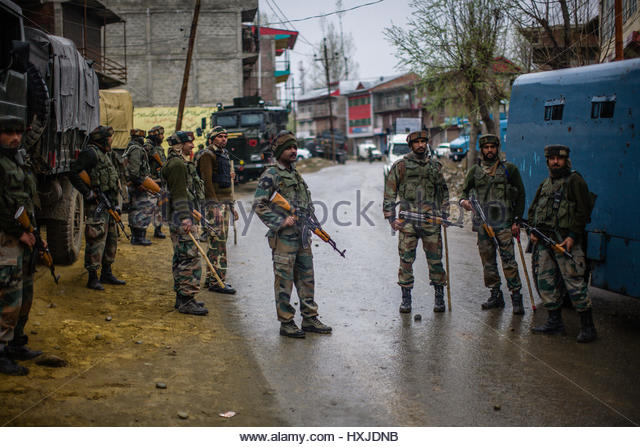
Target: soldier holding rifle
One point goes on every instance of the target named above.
(17, 190)
(497, 204)
(94, 165)
(291, 250)
(157, 159)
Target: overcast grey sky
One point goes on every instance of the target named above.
(366, 25)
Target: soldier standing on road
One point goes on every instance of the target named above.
(138, 169)
(561, 210)
(18, 188)
(101, 235)
(155, 136)
(214, 167)
(418, 181)
(291, 250)
(499, 189)
(185, 191)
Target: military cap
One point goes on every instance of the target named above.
(413, 136)
(101, 133)
(9, 123)
(556, 149)
(180, 137)
(155, 130)
(218, 130)
(282, 142)
(489, 138)
(137, 133)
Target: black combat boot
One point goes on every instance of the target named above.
(215, 287)
(17, 349)
(108, 277)
(179, 301)
(439, 302)
(495, 301)
(290, 329)
(405, 306)
(313, 324)
(554, 324)
(587, 328)
(516, 301)
(139, 237)
(157, 233)
(8, 366)
(188, 305)
(93, 282)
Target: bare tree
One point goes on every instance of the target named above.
(341, 50)
(561, 33)
(452, 45)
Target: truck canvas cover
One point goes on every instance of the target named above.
(116, 110)
(74, 83)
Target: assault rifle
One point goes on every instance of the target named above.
(425, 217)
(308, 220)
(477, 210)
(23, 219)
(544, 238)
(104, 203)
(197, 215)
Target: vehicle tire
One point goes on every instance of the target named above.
(65, 236)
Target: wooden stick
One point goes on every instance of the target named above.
(233, 214)
(204, 255)
(526, 273)
(446, 257)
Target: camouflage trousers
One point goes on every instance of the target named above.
(16, 287)
(432, 246)
(141, 208)
(217, 251)
(487, 250)
(186, 266)
(159, 203)
(101, 238)
(292, 264)
(554, 273)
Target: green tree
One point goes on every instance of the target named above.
(452, 45)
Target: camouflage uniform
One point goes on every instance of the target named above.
(18, 188)
(420, 185)
(158, 201)
(185, 191)
(214, 168)
(498, 188)
(292, 263)
(141, 206)
(101, 235)
(561, 208)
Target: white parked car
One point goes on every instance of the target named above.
(443, 150)
(398, 148)
(303, 154)
(363, 151)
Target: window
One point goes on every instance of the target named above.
(603, 106)
(553, 109)
(251, 119)
(226, 120)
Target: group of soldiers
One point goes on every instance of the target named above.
(180, 186)
(494, 191)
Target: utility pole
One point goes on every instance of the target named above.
(187, 67)
(325, 59)
(259, 93)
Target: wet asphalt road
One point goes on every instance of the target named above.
(462, 368)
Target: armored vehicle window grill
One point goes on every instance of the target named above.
(603, 106)
(553, 109)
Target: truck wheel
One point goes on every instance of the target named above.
(65, 236)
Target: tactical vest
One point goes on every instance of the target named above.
(104, 175)
(496, 194)
(19, 185)
(144, 170)
(221, 176)
(554, 210)
(154, 166)
(293, 188)
(419, 184)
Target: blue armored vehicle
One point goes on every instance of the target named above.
(595, 110)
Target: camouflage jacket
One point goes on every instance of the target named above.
(419, 185)
(291, 185)
(137, 163)
(154, 166)
(18, 188)
(98, 164)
